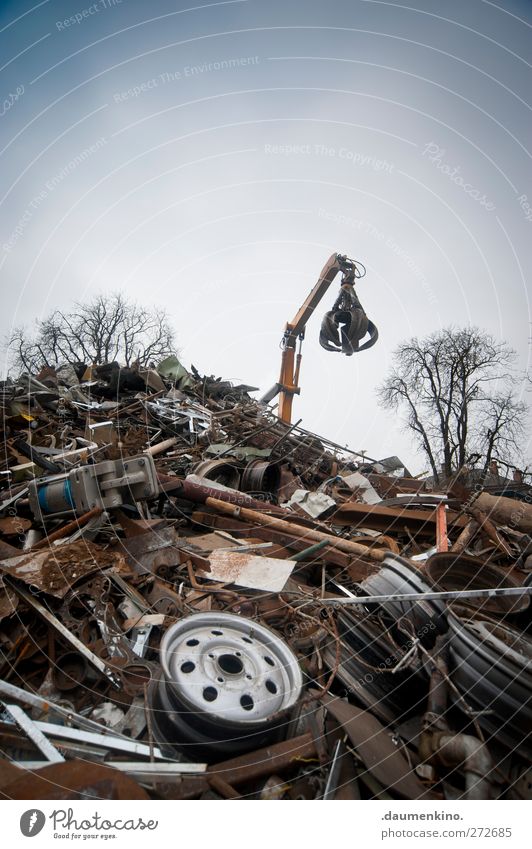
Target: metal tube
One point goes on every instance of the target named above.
(312, 549)
(35, 734)
(33, 700)
(295, 530)
(471, 755)
(68, 529)
(442, 596)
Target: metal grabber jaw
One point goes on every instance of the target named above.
(344, 327)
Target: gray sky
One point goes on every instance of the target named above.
(211, 158)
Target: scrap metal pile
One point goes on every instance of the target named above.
(198, 600)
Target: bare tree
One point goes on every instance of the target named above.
(454, 388)
(105, 329)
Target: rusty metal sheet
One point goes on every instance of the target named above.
(74, 779)
(376, 749)
(268, 761)
(150, 551)
(8, 772)
(389, 519)
(14, 525)
(8, 600)
(56, 570)
(249, 570)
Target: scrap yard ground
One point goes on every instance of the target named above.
(198, 600)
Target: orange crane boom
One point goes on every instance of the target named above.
(288, 383)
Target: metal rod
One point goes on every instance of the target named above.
(285, 436)
(151, 770)
(301, 555)
(104, 740)
(35, 734)
(334, 772)
(11, 691)
(436, 596)
(291, 529)
(96, 661)
(68, 529)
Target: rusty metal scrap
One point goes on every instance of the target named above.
(57, 569)
(396, 669)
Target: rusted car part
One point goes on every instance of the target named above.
(420, 523)
(75, 779)
(88, 622)
(399, 576)
(376, 749)
(221, 471)
(106, 485)
(464, 753)
(57, 569)
(72, 670)
(266, 761)
(227, 685)
(248, 769)
(193, 490)
(380, 666)
(261, 478)
(92, 618)
(451, 572)
(491, 666)
(188, 490)
(58, 626)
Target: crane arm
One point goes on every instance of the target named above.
(296, 327)
(288, 384)
(342, 329)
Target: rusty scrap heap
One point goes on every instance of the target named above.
(198, 600)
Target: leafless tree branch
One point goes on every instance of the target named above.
(105, 329)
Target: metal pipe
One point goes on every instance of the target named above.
(295, 530)
(312, 549)
(466, 751)
(197, 493)
(160, 447)
(440, 746)
(35, 734)
(68, 529)
(432, 596)
(33, 700)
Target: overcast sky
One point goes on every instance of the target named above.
(210, 157)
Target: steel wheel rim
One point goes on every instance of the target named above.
(234, 670)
